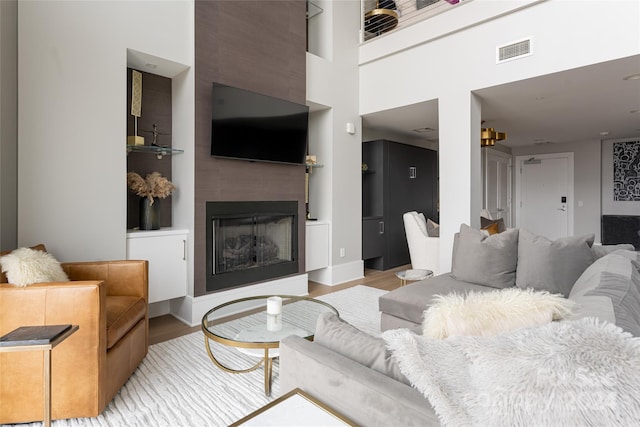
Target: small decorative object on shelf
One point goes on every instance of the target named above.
(153, 186)
(311, 162)
(157, 149)
(155, 134)
(136, 107)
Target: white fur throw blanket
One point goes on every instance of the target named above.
(491, 313)
(569, 373)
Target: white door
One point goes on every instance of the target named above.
(497, 184)
(544, 194)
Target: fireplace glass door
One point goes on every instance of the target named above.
(243, 243)
(250, 242)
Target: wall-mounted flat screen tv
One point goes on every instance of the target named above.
(251, 126)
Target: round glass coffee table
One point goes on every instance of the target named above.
(255, 326)
(413, 275)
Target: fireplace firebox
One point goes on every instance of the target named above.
(248, 242)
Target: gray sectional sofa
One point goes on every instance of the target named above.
(354, 373)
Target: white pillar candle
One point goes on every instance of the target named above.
(274, 305)
(274, 322)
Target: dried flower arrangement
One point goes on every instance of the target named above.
(154, 185)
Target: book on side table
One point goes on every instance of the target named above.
(33, 335)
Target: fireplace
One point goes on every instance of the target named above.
(249, 242)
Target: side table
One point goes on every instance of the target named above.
(43, 338)
(413, 275)
(295, 408)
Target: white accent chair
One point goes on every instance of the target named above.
(423, 249)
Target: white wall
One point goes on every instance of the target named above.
(72, 59)
(332, 83)
(8, 124)
(375, 134)
(451, 55)
(586, 181)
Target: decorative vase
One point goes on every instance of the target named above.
(149, 214)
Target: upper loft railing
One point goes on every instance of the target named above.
(383, 16)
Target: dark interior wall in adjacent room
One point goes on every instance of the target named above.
(258, 46)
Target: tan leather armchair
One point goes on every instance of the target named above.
(109, 302)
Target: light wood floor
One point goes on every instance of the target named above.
(167, 327)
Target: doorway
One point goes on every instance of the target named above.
(544, 194)
(497, 184)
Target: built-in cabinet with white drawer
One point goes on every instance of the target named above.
(317, 245)
(166, 251)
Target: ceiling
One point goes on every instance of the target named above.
(569, 106)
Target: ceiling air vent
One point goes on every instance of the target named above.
(514, 50)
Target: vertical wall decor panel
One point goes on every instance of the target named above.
(258, 46)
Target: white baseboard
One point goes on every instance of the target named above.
(190, 310)
(159, 308)
(337, 274)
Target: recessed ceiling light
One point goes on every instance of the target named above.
(423, 130)
(604, 133)
(150, 65)
(632, 77)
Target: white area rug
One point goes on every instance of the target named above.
(177, 385)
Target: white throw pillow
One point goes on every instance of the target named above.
(491, 313)
(25, 266)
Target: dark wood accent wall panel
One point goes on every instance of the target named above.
(156, 109)
(258, 46)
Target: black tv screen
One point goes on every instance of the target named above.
(251, 126)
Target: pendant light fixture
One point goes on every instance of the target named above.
(489, 136)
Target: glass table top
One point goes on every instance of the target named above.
(246, 320)
(415, 274)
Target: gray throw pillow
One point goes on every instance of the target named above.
(610, 290)
(552, 266)
(335, 334)
(433, 229)
(485, 260)
(485, 222)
